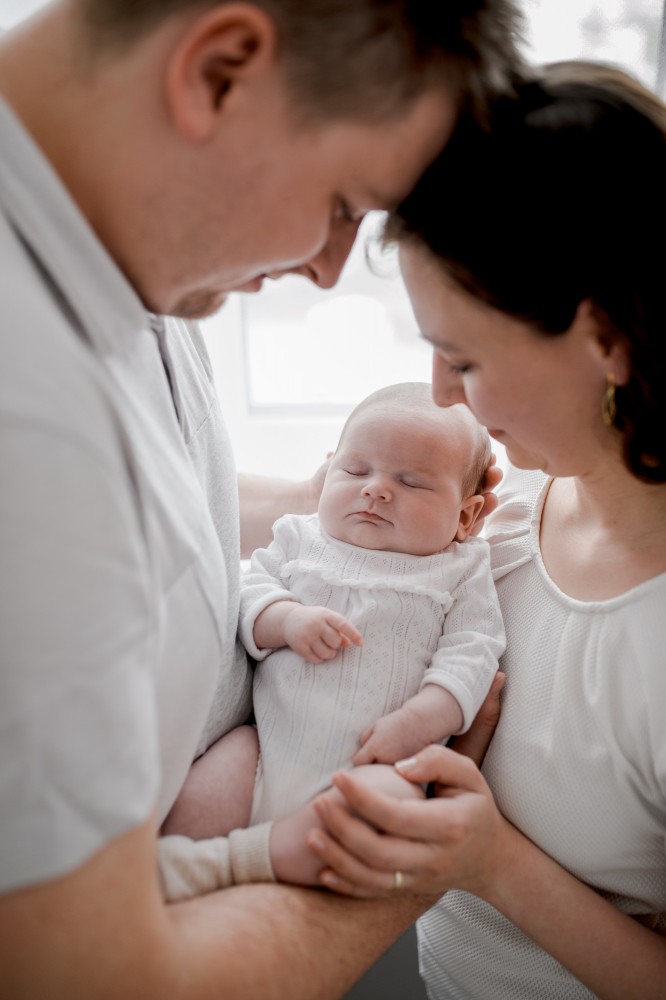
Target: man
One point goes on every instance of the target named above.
(156, 156)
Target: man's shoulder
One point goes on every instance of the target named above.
(48, 375)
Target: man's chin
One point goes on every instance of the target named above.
(199, 305)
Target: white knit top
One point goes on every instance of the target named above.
(424, 619)
(578, 761)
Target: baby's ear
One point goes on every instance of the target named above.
(469, 513)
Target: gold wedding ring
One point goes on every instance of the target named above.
(398, 880)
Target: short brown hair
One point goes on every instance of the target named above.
(358, 59)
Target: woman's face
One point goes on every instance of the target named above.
(538, 395)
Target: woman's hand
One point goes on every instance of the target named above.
(456, 840)
(491, 481)
(476, 740)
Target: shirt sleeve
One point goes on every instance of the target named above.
(508, 529)
(77, 715)
(263, 583)
(473, 636)
(194, 867)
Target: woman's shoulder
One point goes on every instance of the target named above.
(518, 494)
(509, 528)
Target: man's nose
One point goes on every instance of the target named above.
(325, 269)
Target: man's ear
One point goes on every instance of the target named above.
(219, 50)
(469, 512)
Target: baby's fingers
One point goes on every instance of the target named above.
(348, 632)
(323, 648)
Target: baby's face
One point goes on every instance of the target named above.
(395, 482)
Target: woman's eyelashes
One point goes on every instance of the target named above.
(459, 369)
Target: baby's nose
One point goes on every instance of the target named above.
(377, 488)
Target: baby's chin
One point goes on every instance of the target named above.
(376, 539)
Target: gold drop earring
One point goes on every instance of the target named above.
(608, 404)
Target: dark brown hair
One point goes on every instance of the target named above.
(562, 200)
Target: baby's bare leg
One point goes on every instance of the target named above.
(292, 859)
(217, 795)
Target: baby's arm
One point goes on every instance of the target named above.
(315, 633)
(430, 716)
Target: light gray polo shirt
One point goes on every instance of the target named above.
(118, 538)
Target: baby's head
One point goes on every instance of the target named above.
(407, 474)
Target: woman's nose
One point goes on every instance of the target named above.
(447, 387)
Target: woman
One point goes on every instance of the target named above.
(541, 290)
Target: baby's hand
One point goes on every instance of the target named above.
(430, 716)
(317, 634)
(391, 738)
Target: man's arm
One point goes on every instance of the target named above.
(105, 932)
(263, 500)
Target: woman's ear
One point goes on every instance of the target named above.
(608, 346)
(222, 48)
(469, 513)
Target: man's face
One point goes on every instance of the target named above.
(276, 196)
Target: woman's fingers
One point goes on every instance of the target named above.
(475, 742)
(493, 476)
(346, 873)
(369, 810)
(449, 841)
(453, 772)
(359, 861)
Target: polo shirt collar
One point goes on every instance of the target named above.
(43, 213)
